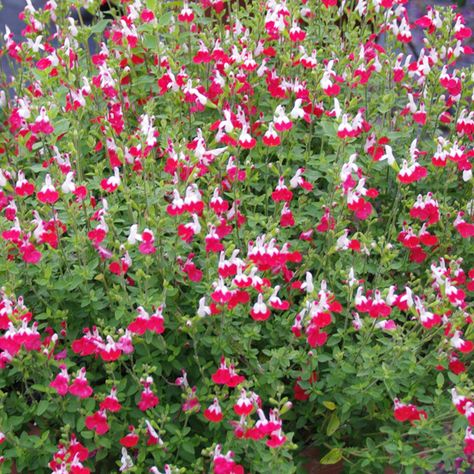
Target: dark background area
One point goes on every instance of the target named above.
(9, 15)
(417, 8)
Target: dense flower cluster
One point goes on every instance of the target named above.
(239, 231)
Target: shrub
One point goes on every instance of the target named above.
(230, 232)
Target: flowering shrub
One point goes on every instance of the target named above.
(230, 232)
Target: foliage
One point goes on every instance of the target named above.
(233, 231)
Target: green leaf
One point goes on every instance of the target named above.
(105, 442)
(329, 405)
(150, 42)
(80, 425)
(329, 128)
(333, 424)
(62, 126)
(100, 26)
(101, 453)
(390, 448)
(42, 407)
(188, 447)
(453, 377)
(333, 457)
(37, 146)
(42, 388)
(165, 19)
(440, 380)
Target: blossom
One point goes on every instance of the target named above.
(225, 464)
(276, 439)
(148, 399)
(221, 294)
(126, 462)
(186, 15)
(461, 344)
(464, 228)
(23, 187)
(407, 412)
(300, 393)
(244, 405)
(246, 140)
(146, 245)
(98, 422)
(110, 351)
(111, 402)
(131, 439)
(276, 302)
(80, 386)
(42, 123)
(260, 311)
(227, 375)
(271, 138)
(469, 442)
(48, 193)
(112, 183)
(286, 218)
(145, 322)
(214, 413)
(61, 381)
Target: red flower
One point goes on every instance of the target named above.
(186, 15)
(244, 405)
(316, 338)
(214, 412)
(48, 193)
(23, 187)
(98, 422)
(260, 311)
(271, 137)
(146, 246)
(80, 386)
(147, 398)
(42, 123)
(131, 439)
(298, 392)
(329, 3)
(111, 403)
(61, 382)
(276, 439)
(407, 412)
(282, 193)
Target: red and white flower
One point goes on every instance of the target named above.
(244, 405)
(214, 412)
(260, 311)
(80, 386)
(48, 193)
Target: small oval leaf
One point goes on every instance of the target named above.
(333, 424)
(329, 405)
(333, 457)
(42, 407)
